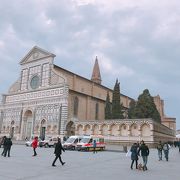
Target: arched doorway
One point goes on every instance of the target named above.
(70, 128)
(43, 129)
(12, 130)
(27, 125)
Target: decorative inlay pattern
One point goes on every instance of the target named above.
(35, 95)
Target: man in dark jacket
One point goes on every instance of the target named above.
(144, 153)
(8, 147)
(160, 148)
(4, 145)
(58, 152)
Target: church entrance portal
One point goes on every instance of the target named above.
(27, 125)
(43, 129)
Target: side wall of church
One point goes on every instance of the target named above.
(89, 94)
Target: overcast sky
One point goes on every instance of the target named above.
(137, 42)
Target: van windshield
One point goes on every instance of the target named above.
(85, 140)
(70, 140)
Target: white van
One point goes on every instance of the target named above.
(71, 142)
(48, 142)
(86, 144)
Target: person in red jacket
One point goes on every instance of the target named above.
(34, 145)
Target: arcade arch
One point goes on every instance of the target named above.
(70, 128)
(114, 130)
(80, 130)
(123, 130)
(104, 130)
(87, 129)
(134, 130)
(145, 130)
(95, 129)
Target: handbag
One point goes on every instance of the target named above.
(128, 154)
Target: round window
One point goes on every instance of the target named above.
(34, 82)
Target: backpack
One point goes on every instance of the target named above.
(165, 147)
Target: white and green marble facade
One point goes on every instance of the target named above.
(37, 100)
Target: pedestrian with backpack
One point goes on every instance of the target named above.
(166, 150)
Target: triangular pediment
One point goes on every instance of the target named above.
(35, 54)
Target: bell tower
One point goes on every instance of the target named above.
(96, 76)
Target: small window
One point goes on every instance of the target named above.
(97, 111)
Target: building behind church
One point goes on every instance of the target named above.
(48, 100)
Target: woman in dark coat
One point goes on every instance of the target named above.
(134, 155)
(58, 152)
(4, 145)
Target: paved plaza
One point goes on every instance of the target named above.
(105, 165)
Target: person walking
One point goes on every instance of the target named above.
(160, 148)
(144, 153)
(4, 145)
(166, 150)
(34, 145)
(8, 147)
(134, 155)
(94, 146)
(178, 144)
(58, 151)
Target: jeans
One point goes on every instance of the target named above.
(7, 151)
(34, 149)
(133, 163)
(145, 159)
(166, 153)
(160, 154)
(57, 156)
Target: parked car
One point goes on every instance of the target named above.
(49, 142)
(71, 142)
(29, 142)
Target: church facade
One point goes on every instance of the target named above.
(48, 100)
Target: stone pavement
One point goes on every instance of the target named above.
(84, 166)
